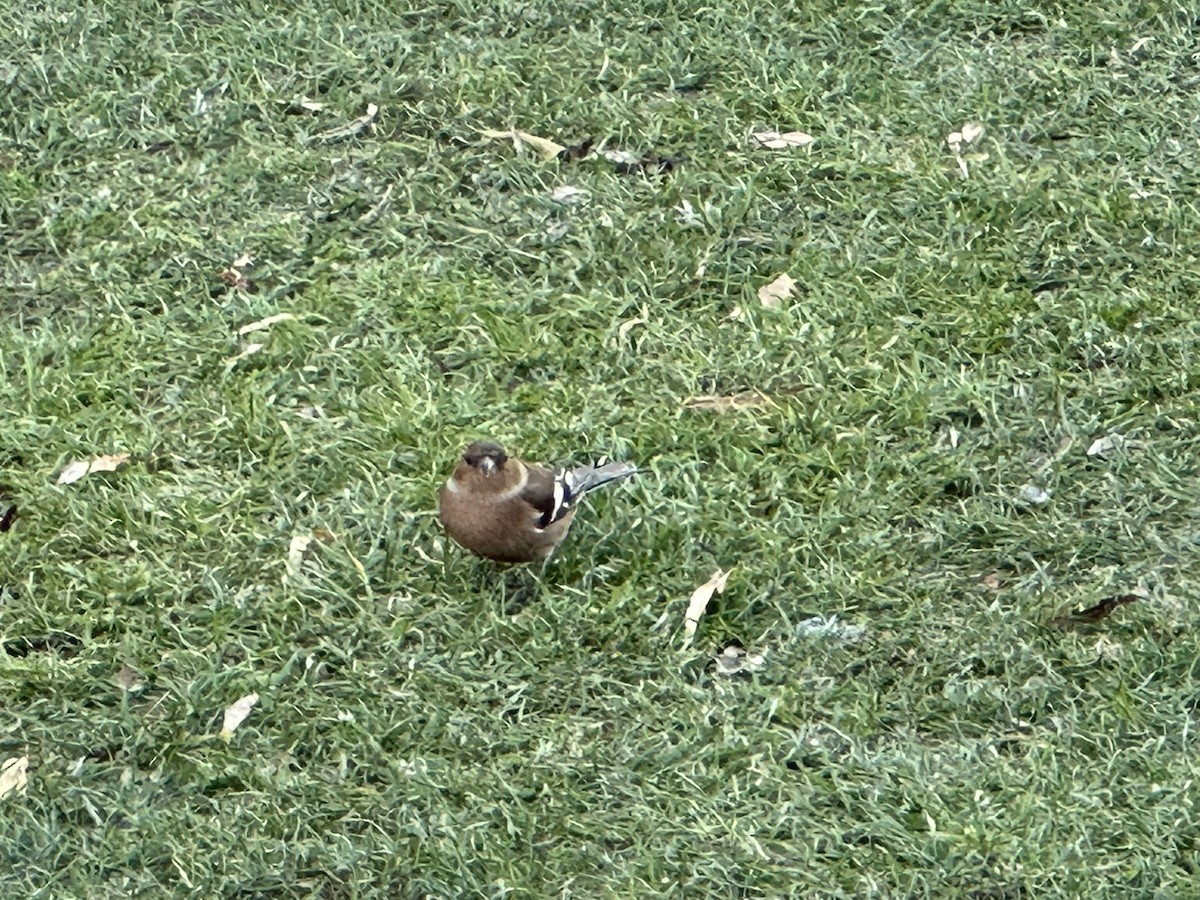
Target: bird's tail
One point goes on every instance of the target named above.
(586, 478)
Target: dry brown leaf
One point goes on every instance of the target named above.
(545, 147)
(235, 279)
(773, 140)
(262, 324)
(80, 467)
(728, 402)
(1101, 610)
(128, 678)
(234, 276)
(699, 603)
(236, 714)
(772, 294)
(14, 775)
(992, 582)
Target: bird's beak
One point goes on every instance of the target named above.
(487, 465)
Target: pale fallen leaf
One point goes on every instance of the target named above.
(773, 140)
(1031, 493)
(772, 294)
(236, 714)
(958, 141)
(80, 467)
(699, 603)
(566, 193)
(971, 132)
(1107, 648)
(621, 157)
(74, 471)
(199, 103)
(295, 555)
(1139, 44)
(629, 324)
(547, 148)
(352, 128)
(992, 582)
(728, 402)
(949, 436)
(1106, 444)
(242, 261)
(686, 214)
(262, 324)
(14, 775)
(247, 350)
(734, 659)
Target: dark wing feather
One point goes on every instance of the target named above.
(554, 493)
(546, 492)
(586, 478)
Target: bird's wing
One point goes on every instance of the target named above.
(554, 493)
(586, 478)
(549, 493)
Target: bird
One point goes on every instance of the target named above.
(510, 511)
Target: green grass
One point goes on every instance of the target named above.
(426, 727)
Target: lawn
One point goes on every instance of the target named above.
(273, 256)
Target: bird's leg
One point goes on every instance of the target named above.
(522, 585)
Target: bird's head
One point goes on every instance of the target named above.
(485, 457)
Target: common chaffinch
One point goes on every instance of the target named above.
(510, 511)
